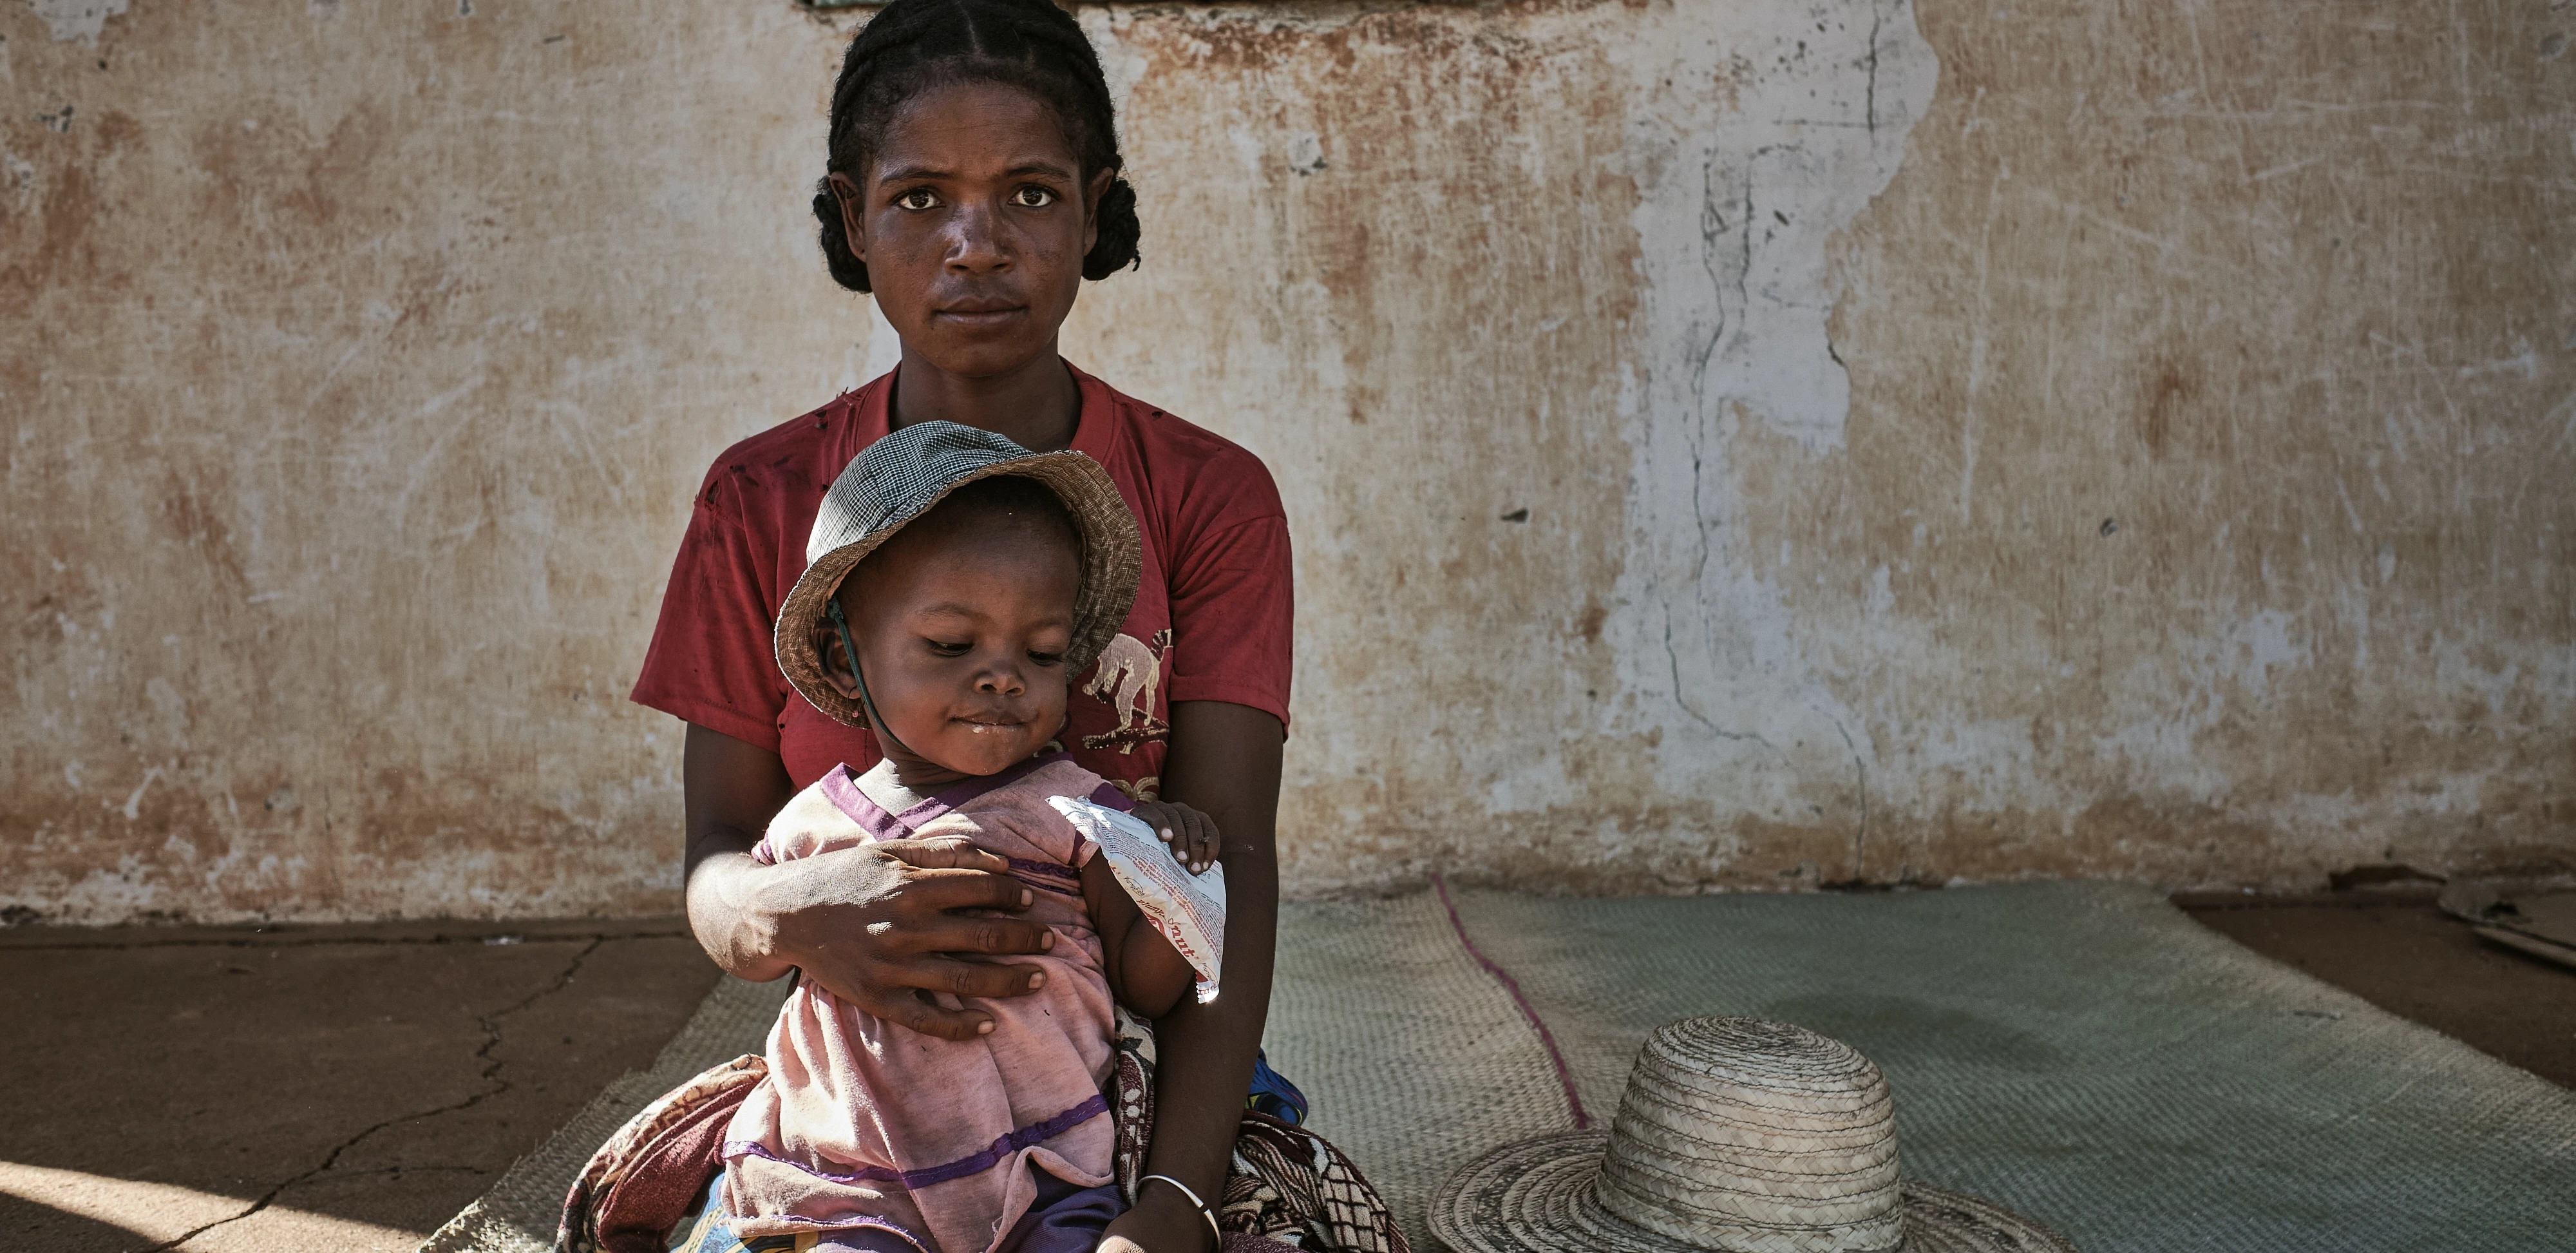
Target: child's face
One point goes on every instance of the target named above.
(962, 623)
(973, 219)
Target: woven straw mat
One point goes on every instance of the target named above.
(2082, 1053)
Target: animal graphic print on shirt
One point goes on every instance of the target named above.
(1127, 679)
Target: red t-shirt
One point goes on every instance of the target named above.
(1211, 619)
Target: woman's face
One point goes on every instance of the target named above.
(973, 220)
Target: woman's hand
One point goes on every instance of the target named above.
(1163, 1221)
(873, 926)
(1192, 835)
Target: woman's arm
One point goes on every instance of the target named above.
(871, 925)
(1224, 759)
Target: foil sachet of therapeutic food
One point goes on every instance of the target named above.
(1188, 909)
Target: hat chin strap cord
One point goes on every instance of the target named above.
(850, 649)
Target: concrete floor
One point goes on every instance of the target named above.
(348, 1087)
(2401, 953)
(211, 1089)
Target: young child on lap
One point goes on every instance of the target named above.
(955, 583)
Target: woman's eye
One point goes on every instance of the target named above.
(1033, 197)
(946, 649)
(1046, 659)
(917, 199)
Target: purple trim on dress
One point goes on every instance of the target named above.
(968, 789)
(1108, 794)
(842, 789)
(1025, 1137)
(1047, 868)
(864, 1174)
(972, 1164)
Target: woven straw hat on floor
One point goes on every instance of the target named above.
(899, 478)
(1735, 1135)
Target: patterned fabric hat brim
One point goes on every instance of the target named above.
(1537, 1196)
(900, 478)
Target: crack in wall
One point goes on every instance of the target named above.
(1860, 775)
(1869, 99)
(1721, 188)
(1792, 122)
(491, 1076)
(1712, 228)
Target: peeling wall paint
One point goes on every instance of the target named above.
(1728, 445)
(76, 19)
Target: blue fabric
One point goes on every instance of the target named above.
(1065, 1217)
(1272, 1094)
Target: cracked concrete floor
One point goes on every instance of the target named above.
(207, 1089)
(2400, 952)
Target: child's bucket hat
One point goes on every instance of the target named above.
(1734, 1135)
(899, 478)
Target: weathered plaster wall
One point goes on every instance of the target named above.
(1955, 440)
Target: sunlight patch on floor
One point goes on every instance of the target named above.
(159, 1212)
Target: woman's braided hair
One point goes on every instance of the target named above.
(914, 45)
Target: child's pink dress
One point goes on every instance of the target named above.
(868, 1124)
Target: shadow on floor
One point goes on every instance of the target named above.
(214, 1088)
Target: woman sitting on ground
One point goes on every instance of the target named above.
(973, 184)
